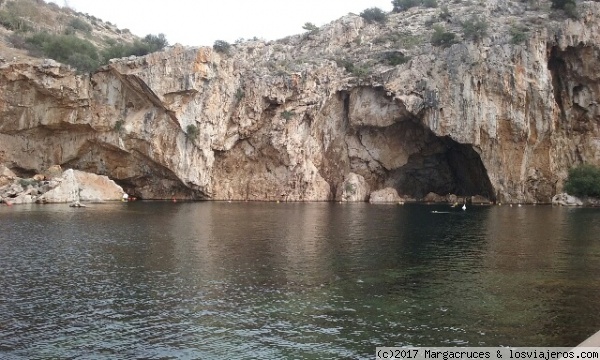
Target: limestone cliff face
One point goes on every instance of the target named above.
(283, 121)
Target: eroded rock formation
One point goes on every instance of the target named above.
(70, 186)
(284, 121)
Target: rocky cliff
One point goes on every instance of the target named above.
(325, 116)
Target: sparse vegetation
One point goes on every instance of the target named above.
(310, 27)
(119, 125)
(191, 131)
(81, 25)
(155, 42)
(287, 114)
(349, 66)
(68, 49)
(81, 53)
(569, 7)
(445, 13)
(239, 94)
(404, 39)
(28, 182)
(518, 34)
(26, 10)
(560, 4)
(571, 10)
(441, 37)
(403, 5)
(18, 40)
(396, 58)
(430, 3)
(47, 30)
(12, 22)
(374, 14)
(221, 46)
(350, 188)
(583, 180)
(147, 45)
(430, 21)
(474, 28)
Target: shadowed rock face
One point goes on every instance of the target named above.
(454, 169)
(281, 121)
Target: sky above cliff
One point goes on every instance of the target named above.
(201, 22)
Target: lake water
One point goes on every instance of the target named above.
(292, 281)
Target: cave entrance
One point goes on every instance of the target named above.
(443, 167)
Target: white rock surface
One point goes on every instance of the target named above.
(565, 199)
(355, 188)
(387, 195)
(77, 186)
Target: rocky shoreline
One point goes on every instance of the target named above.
(57, 186)
(75, 187)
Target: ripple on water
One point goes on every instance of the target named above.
(269, 281)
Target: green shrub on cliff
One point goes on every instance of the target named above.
(518, 34)
(374, 14)
(560, 4)
(571, 10)
(155, 42)
(394, 58)
(356, 70)
(81, 53)
(430, 3)
(149, 44)
(474, 28)
(239, 94)
(445, 13)
(78, 24)
(310, 27)
(403, 5)
(76, 39)
(28, 182)
(119, 125)
(67, 49)
(584, 180)
(569, 6)
(221, 46)
(441, 37)
(287, 114)
(192, 131)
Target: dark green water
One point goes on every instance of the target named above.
(291, 281)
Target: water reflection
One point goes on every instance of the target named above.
(202, 280)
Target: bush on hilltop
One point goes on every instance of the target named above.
(403, 5)
(374, 14)
(221, 46)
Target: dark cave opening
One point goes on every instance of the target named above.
(22, 172)
(412, 158)
(453, 168)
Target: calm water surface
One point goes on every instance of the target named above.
(291, 281)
